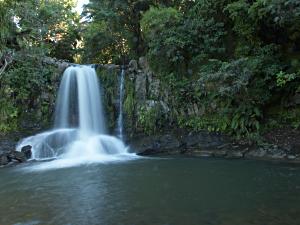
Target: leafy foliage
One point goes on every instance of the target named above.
(112, 31)
(226, 63)
(181, 39)
(236, 56)
(30, 31)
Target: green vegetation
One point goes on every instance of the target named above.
(236, 58)
(30, 31)
(109, 82)
(233, 60)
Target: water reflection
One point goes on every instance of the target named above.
(172, 191)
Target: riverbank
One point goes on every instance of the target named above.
(281, 145)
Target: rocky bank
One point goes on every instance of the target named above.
(146, 102)
(182, 143)
(206, 144)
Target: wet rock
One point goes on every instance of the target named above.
(145, 145)
(204, 144)
(203, 153)
(220, 153)
(169, 142)
(234, 155)
(18, 156)
(226, 145)
(140, 87)
(4, 160)
(274, 152)
(132, 66)
(291, 157)
(256, 153)
(192, 139)
(203, 140)
(27, 151)
(62, 66)
(278, 156)
(150, 151)
(153, 145)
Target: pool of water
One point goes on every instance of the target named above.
(163, 191)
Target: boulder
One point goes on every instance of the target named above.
(274, 152)
(132, 66)
(27, 151)
(145, 144)
(18, 156)
(291, 157)
(220, 153)
(153, 145)
(278, 156)
(256, 153)
(203, 153)
(236, 154)
(203, 140)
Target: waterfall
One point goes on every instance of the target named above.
(79, 128)
(121, 96)
(84, 81)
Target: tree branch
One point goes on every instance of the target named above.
(8, 59)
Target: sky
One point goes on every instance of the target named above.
(80, 4)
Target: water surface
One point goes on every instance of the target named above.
(153, 191)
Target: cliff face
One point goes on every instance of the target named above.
(144, 102)
(150, 104)
(153, 110)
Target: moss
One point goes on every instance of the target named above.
(109, 83)
(147, 119)
(129, 102)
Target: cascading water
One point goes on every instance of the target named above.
(79, 96)
(79, 133)
(121, 96)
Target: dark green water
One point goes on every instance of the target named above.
(153, 191)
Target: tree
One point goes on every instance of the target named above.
(183, 39)
(119, 28)
(30, 31)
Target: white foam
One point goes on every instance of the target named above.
(78, 101)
